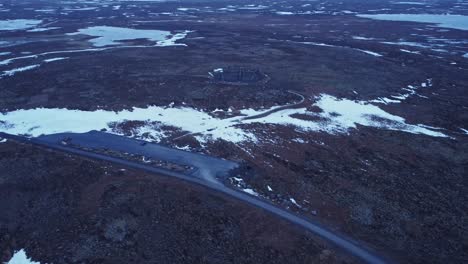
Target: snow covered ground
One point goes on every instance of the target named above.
(48, 121)
(351, 113)
(338, 116)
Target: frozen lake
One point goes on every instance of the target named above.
(446, 21)
(18, 24)
(105, 35)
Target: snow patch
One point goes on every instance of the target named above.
(252, 7)
(362, 38)
(184, 148)
(335, 46)
(294, 202)
(80, 9)
(408, 91)
(281, 13)
(250, 191)
(55, 59)
(345, 114)
(299, 140)
(409, 51)
(185, 9)
(42, 29)
(20, 258)
(370, 53)
(44, 10)
(21, 69)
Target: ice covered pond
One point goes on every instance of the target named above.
(446, 21)
(106, 35)
(18, 24)
(338, 116)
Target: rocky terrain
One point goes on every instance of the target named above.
(66, 209)
(339, 114)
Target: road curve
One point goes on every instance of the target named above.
(347, 244)
(205, 167)
(299, 104)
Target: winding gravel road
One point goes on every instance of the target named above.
(347, 244)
